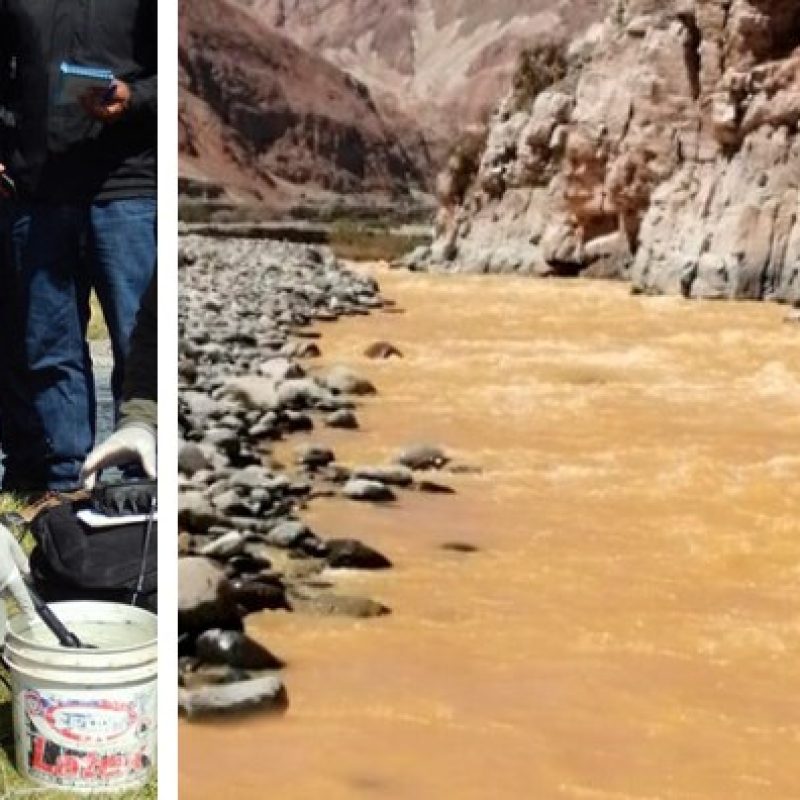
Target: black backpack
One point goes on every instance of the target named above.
(72, 561)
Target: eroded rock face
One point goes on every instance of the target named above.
(670, 155)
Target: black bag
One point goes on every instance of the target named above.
(72, 561)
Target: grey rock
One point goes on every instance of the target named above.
(230, 504)
(301, 350)
(312, 455)
(382, 350)
(195, 513)
(235, 649)
(254, 392)
(431, 487)
(391, 475)
(226, 546)
(265, 694)
(255, 595)
(300, 394)
(251, 477)
(460, 547)
(199, 404)
(344, 419)
(360, 489)
(192, 459)
(422, 456)
(223, 439)
(288, 534)
(203, 601)
(193, 675)
(281, 369)
(352, 554)
(345, 381)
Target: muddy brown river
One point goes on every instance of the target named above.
(630, 627)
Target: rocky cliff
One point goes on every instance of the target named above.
(663, 146)
(260, 115)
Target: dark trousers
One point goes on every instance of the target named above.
(56, 254)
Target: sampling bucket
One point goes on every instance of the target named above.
(85, 719)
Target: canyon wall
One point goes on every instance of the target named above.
(661, 147)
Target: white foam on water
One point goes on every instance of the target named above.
(775, 379)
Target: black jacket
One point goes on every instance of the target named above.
(57, 153)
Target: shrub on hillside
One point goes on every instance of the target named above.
(462, 166)
(538, 68)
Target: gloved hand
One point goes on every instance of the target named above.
(13, 567)
(132, 443)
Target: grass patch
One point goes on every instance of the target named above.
(463, 165)
(97, 325)
(12, 785)
(538, 68)
(353, 242)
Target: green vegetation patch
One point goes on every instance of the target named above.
(538, 68)
(351, 241)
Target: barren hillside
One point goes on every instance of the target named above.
(265, 118)
(444, 61)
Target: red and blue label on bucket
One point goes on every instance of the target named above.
(90, 743)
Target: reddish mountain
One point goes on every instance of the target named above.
(262, 116)
(445, 61)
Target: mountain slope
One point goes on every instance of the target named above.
(441, 60)
(260, 115)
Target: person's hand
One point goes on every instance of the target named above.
(133, 443)
(13, 569)
(7, 190)
(107, 105)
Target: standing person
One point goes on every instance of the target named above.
(83, 217)
(135, 441)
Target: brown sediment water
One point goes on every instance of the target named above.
(630, 627)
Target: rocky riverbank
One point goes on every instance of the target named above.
(248, 380)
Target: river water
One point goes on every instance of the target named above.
(630, 626)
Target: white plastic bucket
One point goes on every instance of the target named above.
(85, 720)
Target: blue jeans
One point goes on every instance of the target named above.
(57, 254)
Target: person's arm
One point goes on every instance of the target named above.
(136, 97)
(144, 91)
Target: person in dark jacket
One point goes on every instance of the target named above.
(81, 215)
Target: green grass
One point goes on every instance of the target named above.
(12, 785)
(97, 325)
(352, 241)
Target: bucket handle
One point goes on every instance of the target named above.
(6, 667)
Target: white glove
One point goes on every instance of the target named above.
(130, 443)
(13, 566)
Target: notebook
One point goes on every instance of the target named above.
(76, 80)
